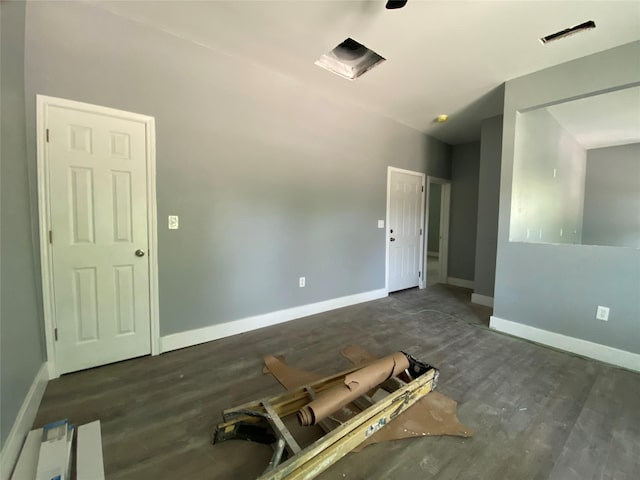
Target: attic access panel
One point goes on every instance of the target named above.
(350, 59)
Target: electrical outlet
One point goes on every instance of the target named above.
(302, 282)
(173, 222)
(602, 313)
(380, 223)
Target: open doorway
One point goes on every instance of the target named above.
(438, 199)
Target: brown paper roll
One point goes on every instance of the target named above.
(355, 384)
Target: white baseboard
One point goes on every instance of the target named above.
(433, 254)
(23, 422)
(460, 282)
(482, 300)
(214, 332)
(585, 348)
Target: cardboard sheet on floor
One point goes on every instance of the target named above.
(433, 415)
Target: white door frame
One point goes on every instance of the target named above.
(423, 257)
(445, 205)
(43, 102)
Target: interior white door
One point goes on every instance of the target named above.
(98, 208)
(404, 229)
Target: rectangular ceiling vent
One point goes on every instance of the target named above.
(350, 59)
(569, 31)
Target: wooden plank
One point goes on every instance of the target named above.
(280, 428)
(293, 395)
(324, 452)
(284, 404)
(290, 402)
(89, 452)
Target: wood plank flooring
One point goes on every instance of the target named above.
(538, 413)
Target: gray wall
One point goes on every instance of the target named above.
(548, 181)
(21, 346)
(612, 197)
(465, 165)
(488, 204)
(435, 204)
(557, 287)
(271, 180)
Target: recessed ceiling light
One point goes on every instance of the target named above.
(350, 59)
(442, 118)
(569, 31)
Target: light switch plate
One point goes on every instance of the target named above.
(380, 223)
(602, 313)
(173, 222)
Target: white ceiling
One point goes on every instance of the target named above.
(602, 120)
(442, 56)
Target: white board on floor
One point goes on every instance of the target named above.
(27, 465)
(89, 462)
(55, 449)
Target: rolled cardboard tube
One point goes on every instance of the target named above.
(355, 384)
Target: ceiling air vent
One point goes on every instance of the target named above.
(350, 59)
(568, 31)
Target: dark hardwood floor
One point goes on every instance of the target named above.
(538, 413)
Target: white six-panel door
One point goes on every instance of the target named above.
(99, 239)
(404, 229)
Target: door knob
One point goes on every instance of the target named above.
(139, 253)
(392, 239)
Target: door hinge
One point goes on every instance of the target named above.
(420, 231)
(419, 274)
(50, 236)
(422, 186)
(47, 135)
(55, 333)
